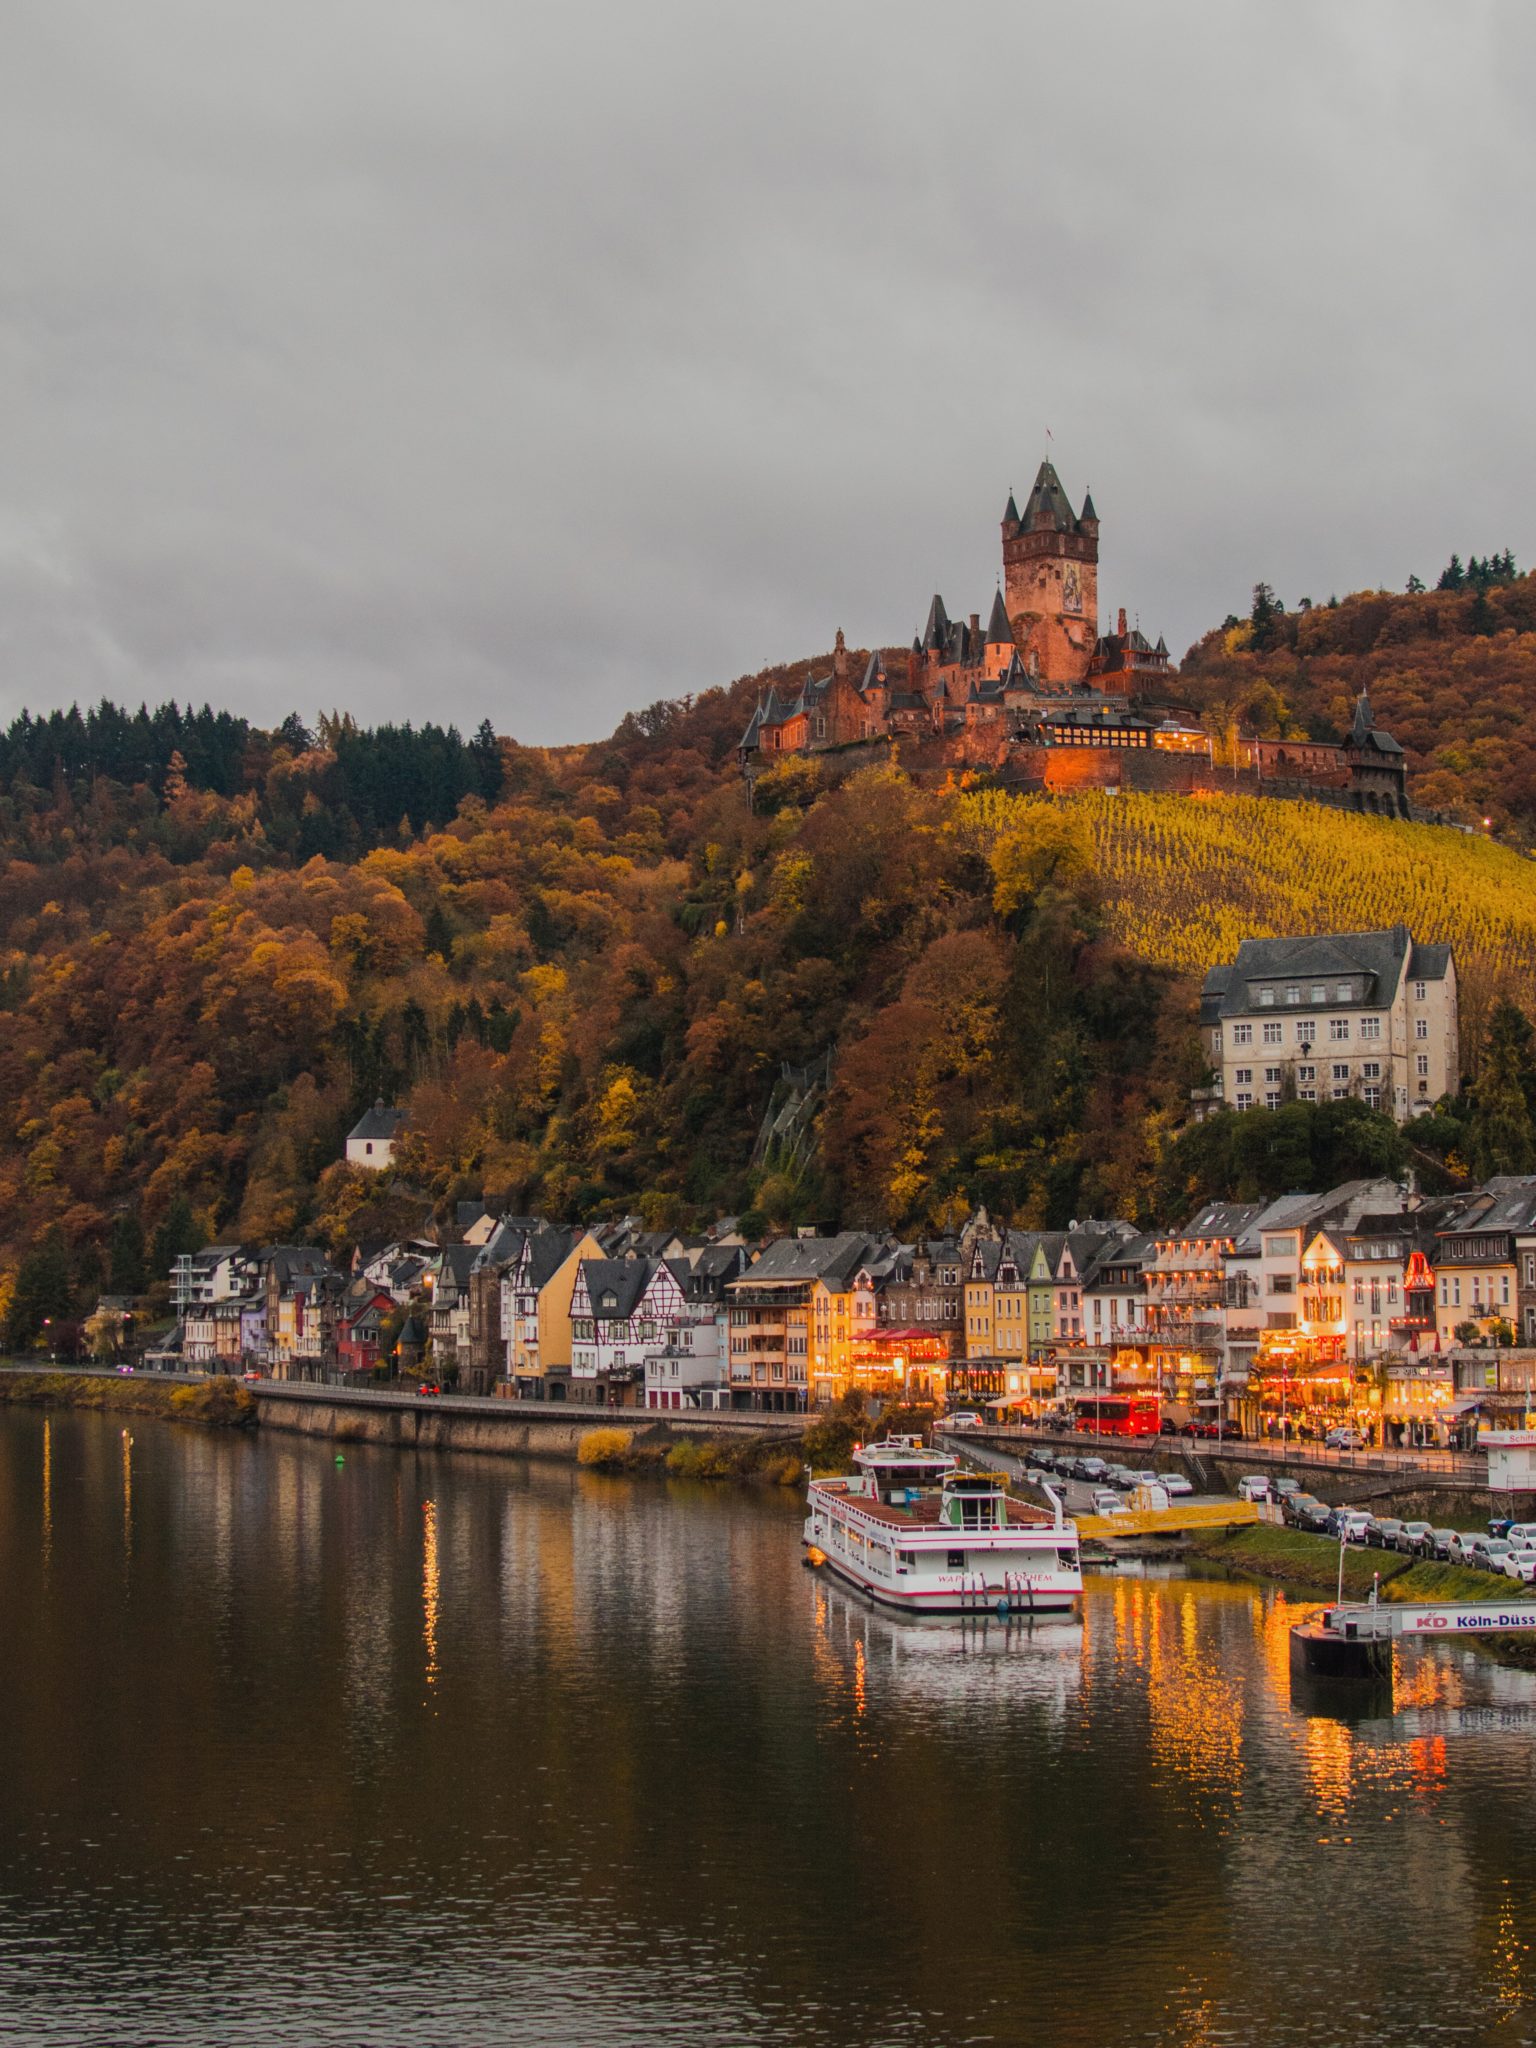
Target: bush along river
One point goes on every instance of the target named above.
(391, 1747)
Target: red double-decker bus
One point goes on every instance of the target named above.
(1117, 1414)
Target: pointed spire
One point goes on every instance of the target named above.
(999, 631)
(1088, 511)
(1364, 722)
(1010, 510)
(936, 632)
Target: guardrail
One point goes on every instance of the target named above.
(1259, 1451)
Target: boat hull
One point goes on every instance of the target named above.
(1053, 1592)
(1017, 1603)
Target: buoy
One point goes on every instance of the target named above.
(340, 1459)
(1002, 1610)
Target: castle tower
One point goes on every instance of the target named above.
(1051, 579)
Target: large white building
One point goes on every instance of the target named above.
(1367, 1014)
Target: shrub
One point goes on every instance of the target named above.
(603, 1446)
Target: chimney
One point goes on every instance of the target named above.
(1120, 626)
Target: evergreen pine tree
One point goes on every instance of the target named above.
(1501, 1131)
(439, 933)
(44, 1292)
(1452, 576)
(177, 1234)
(125, 1255)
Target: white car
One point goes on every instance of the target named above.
(1107, 1502)
(963, 1418)
(1344, 1440)
(1253, 1486)
(1520, 1564)
(1175, 1485)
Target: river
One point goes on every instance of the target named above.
(399, 1749)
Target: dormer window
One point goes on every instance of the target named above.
(1266, 999)
(1293, 995)
(610, 1301)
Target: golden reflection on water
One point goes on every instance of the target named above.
(1509, 1954)
(429, 1587)
(127, 1495)
(47, 1492)
(860, 1698)
(1196, 1710)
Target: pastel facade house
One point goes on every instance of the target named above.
(537, 1288)
(359, 1328)
(1366, 1014)
(372, 1139)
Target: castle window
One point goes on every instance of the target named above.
(1319, 994)
(1338, 1029)
(1421, 1027)
(1370, 1027)
(1419, 991)
(1272, 1033)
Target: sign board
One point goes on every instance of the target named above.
(1450, 1621)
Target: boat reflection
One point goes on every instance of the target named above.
(949, 1660)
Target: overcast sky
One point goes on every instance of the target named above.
(453, 358)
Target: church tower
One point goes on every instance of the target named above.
(1051, 579)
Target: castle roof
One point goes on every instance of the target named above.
(1048, 508)
(1365, 735)
(936, 632)
(1010, 512)
(1088, 511)
(999, 631)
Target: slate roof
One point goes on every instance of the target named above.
(999, 632)
(1382, 957)
(377, 1122)
(1365, 735)
(832, 1259)
(625, 1279)
(1048, 507)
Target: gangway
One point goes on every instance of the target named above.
(1354, 1640)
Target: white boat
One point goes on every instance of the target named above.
(913, 1531)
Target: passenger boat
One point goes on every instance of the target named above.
(913, 1531)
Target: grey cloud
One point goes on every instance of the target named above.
(453, 359)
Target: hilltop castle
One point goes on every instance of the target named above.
(1042, 698)
(1041, 649)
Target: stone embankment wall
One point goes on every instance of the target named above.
(498, 1428)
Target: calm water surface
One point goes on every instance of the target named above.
(410, 1750)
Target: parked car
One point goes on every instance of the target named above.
(1415, 1538)
(1202, 1429)
(1350, 1525)
(1167, 1427)
(1314, 1514)
(963, 1418)
(1107, 1502)
(1385, 1530)
(1175, 1484)
(1120, 1475)
(429, 1387)
(1490, 1558)
(1521, 1564)
(1344, 1440)
(1145, 1476)
(1459, 1549)
(1521, 1534)
(1283, 1486)
(1091, 1468)
(250, 1376)
(1253, 1486)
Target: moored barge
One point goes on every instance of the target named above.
(915, 1532)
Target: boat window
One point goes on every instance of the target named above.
(906, 1557)
(955, 1559)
